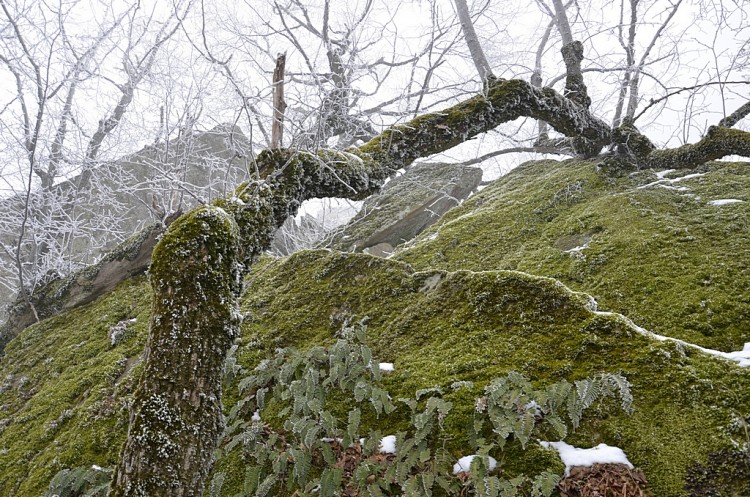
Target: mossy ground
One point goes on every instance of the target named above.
(64, 392)
(662, 255)
(474, 326)
(440, 327)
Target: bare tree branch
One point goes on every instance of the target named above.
(477, 54)
(656, 101)
(279, 105)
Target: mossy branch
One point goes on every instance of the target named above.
(735, 116)
(505, 100)
(719, 142)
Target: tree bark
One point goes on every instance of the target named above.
(198, 267)
(470, 35)
(279, 105)
(572, 54)
(718, 142)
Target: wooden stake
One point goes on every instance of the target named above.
(279, 105)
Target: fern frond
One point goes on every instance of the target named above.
(544, 484)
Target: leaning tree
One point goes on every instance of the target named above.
(198, 266)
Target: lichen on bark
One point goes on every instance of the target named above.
(719, 142)
(195, 276)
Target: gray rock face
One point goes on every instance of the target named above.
(407, 206)
(113, 200)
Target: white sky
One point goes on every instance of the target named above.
(247, 35)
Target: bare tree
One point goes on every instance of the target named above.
(55, 68)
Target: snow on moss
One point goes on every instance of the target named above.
(574, 456)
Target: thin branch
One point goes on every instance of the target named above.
(472, 41)
(653, 102)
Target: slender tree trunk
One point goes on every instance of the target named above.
(629, 47)
(475, 48)
(536, 80)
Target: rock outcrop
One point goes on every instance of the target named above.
(406, 206)
(127, 195)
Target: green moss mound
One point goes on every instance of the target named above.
(663, 254)
(439, 328)
(66, 383)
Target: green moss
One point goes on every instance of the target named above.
(65, 390)
(665, 258)
(474, 326)
(455, 308)
(438, 328)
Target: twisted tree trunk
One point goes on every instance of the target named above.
(198, 266)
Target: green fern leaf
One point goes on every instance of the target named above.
(311, 435)
(361, 390)
(509, 488)
(523, 427)
(302, 464)
(544, 484)
(623, 388)
(588, 391)
(330, 482)
(561, 429)
(353, 426)
(252, 479)
(490, 486)
(266, 485)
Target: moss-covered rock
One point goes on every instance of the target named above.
(65, 389)
(465, 309)
(657, 250)
(406, 206)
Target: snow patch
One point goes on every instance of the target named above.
(464, 464)
(661, 174)
(742, 357)
(725, 201)
(535, 406)
(576, 251)
(661, 181)
(601, 454)
(388, 444)
(675, 188)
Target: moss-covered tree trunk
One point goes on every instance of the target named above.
(195, 277)
(198, 266)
